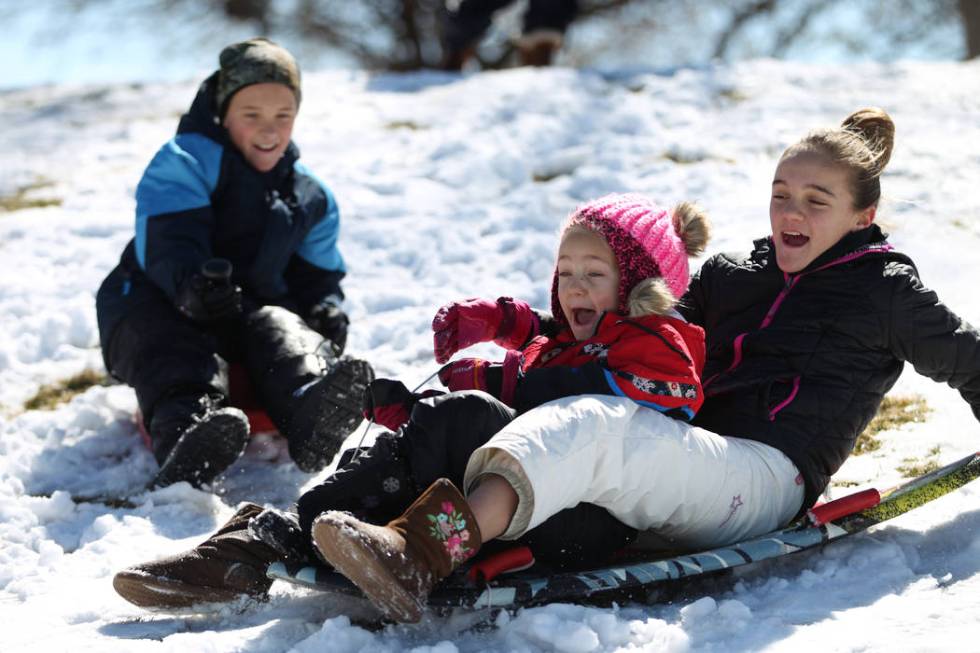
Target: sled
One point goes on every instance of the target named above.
(242, 396)
(639, 573)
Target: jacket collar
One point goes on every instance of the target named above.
(202, 118)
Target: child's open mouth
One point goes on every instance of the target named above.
(583, 316)
(794, 239)
(265, 148)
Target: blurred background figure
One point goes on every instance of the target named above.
(464, 23)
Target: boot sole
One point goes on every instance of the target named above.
(205, 450)
(361, 565)
(338, 414)
(148, 591)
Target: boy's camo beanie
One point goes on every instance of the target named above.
(255, 61)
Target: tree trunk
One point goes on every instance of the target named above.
(970, 13)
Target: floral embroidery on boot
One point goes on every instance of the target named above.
(449, 527)
(397, 565)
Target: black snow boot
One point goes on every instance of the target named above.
(375, 484)
(312, 396)
(194, 439)
(280, 531)
(326, 411)
(228, 565)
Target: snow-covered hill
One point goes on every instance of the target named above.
(452, 187)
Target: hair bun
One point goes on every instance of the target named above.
(877, 129)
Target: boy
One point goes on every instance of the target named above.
(234, 259)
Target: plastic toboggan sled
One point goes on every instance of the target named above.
(483, 585)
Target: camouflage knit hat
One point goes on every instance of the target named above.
(255, 61)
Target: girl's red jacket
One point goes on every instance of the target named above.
(654, 360)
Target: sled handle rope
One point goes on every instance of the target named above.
(368, 423)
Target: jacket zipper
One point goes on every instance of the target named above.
(787, 401)
(788, 285)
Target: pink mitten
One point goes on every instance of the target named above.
(499, 379)
(465, 374)
(508, 322)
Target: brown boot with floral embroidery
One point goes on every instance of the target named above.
(397, 565)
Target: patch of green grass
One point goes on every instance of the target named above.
(683, 158)
(52, 395)
(893, 412)
(405, 124)
(912, 467)
(23, 198)
(866, 443)
(733, 95)
(540, 178)
(679, 157)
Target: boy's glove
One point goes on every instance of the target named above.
(498, 379)
(389, 403)
(327, 319)
(209, 295)
(508, 322)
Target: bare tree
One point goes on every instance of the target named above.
(248, 10)
(885, 29)
(401, 35)
(404, 34)
(970, 14)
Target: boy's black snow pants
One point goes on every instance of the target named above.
(177, 366)
(436, 442)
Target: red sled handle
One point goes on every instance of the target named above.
(515, 559)
(826, 512)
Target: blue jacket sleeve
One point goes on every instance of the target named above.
(318, 266)
(173, 209)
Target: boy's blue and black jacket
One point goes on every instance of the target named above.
(199, 198)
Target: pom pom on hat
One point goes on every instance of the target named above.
(256, 61)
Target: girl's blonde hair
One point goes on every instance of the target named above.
(862, 145)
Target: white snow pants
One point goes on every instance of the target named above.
(652, 472)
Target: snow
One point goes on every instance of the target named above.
(454, 187)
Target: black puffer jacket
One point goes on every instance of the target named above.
(801, 362)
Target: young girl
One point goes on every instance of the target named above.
(805, 336)
(622, 261)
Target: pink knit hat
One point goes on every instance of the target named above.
(642, 238)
